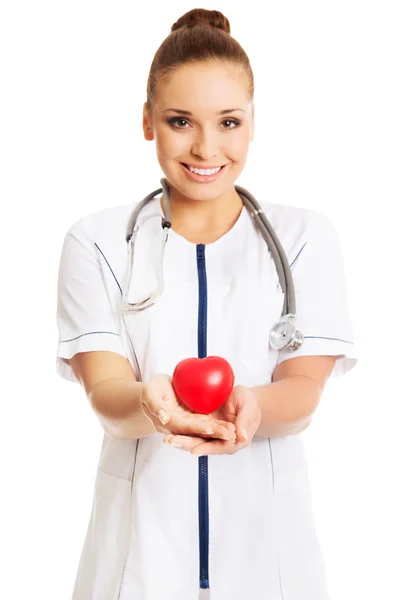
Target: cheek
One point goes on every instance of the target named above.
(170, 145)
(237, 149)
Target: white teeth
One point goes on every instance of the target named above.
(204, 171)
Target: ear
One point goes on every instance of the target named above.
(147, 125)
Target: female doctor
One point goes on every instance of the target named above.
(237, 521)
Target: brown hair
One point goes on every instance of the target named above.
(198, 36)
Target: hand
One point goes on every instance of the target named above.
(242, 411)
(158, 395)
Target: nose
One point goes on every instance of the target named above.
(205, 144)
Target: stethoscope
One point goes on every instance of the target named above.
(283, 334)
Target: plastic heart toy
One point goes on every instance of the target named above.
(203, 384)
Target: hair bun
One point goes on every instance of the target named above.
(203, 18)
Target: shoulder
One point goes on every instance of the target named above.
(102, 222)
(102, 234)
(296, 226)
(295, 220)
(108, 225)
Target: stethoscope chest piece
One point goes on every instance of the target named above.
(284, 335)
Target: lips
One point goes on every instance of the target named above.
(197, 178)
(202, 167)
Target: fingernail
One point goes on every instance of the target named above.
(162, 415)
(244, 434)
(175, 445)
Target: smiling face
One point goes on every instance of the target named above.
(202, 116)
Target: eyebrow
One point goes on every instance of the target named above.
(189, 114)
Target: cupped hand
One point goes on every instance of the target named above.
(241, 410)
(170, 416)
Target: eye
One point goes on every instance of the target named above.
(235, 122)
(176, 120)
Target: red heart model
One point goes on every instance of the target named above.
(203, 384)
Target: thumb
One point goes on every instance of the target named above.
(245, 413)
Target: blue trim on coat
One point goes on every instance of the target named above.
(112, 272)
(300, 251)
(89, 333)
(318, 337)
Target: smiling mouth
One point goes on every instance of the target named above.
(220, 167)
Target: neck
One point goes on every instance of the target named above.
(204, 215)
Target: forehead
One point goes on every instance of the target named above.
(198, 86)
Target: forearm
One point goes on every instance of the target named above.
(116, 403)
(286, 405)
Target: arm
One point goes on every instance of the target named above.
(288, 403)
(113, 392)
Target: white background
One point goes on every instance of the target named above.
(73, 78)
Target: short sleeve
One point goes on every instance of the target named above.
(85, 318)
(322, 313)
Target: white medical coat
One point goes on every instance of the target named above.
(142, 541)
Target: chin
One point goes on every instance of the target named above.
(196, 191)
(200, 191)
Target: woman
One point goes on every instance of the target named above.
(238, 520)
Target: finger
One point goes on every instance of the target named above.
(231, 430)
(149, 415)
(183, 442)
(231, 427)
(153, 409)
(187, 440)
(157, 424)
(227, 424)
(245, 416)
(209, 418)
(188, 424)
(215, 447)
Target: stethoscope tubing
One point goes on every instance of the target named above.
(285, 326)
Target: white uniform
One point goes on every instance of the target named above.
(142, 541)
